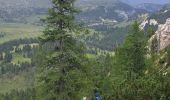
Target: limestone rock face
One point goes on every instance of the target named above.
(163, 34)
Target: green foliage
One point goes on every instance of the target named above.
(103, 74)
(62, 74)
(149, 87)
(168, 57)
(8, 57)
(150, 32)
(131, 58)
(60, 21)
(16, 70)
(66, 74)
(18, 58)
(131, 55)
(28, 94)
(154, 48)
(63, 79)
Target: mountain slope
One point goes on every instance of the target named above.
(9, 4)
(118, 12)
(93, 3)
(149, 7)
(101, 15)
(136, 2)
(160, 38)
(154, 19)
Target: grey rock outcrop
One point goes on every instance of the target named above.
(163, 34)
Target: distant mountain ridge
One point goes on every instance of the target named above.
(94, 3)
(47, 3)
(15, 9)
(92, 10)
(136, 2)
(114, 10)
(118, 12)
(24, 4)
(149, 7)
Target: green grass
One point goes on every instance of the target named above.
(19, 58)
(90, 56)
(13, 31)
(19, 82)
(34, 18)
(17, 30)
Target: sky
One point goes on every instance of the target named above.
(135, 2)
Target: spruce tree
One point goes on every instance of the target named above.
(62, 76)
(154, 48)
(150, 32)
(131, 55)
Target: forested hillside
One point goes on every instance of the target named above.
(109, 51)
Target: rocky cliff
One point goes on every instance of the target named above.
(163, 34)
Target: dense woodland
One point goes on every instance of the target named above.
(62, 67)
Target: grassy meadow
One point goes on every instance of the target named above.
(14, 31)
(18, 30)
(18, 82)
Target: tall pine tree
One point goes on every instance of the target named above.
(131, 55)
(62, 76)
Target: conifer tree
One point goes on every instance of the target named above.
(62, 75)
(131, 55)
(154, 48)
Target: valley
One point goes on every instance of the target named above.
(40, 60)
(13, 31)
